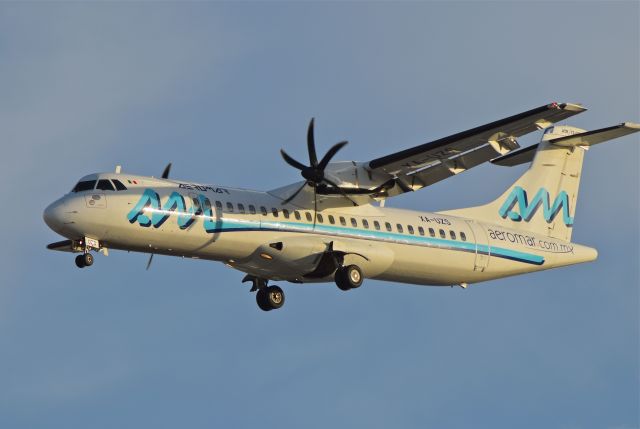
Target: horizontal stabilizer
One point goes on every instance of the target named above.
(591, 138)
(517, 157)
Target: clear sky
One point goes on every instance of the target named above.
(218, 89)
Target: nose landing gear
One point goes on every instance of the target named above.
(84, 260)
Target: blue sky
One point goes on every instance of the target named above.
(218, 89)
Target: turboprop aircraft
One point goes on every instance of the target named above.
(333, 226)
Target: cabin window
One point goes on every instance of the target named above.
(443, 234)
(319, 217)
(309, 217)
(400, 229)
(343, 221)
(241, 208)
(410, 229)
(263, 210)
(420, 230)
(463, 236)
(274, 212)
(119, 185)
(230, 207)
(196, 205)
(87, 185)
(387, 225)
(331, 220)
(207, 205)
(376, 225)
(432, 232)
(252, 209)
(219, 205)
(285, 213)
(105, 185)
(296, 213)
(365, 223)
(452, 234)
(354, 222)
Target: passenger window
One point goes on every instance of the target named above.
(410, 229)
(84, 186)
(443, 234)
(309, 217)
(331, 220)
(219, 205)
(285, 213)
(420, 230)
(365, 223)
(252, 209)
(343, 222)
(263, 210)
(452, 234)
(400, 229)
(387, 225)
(230, 207)
(296, 213)
(119, 185)
(354, 222)
(319, 217)
(274, 212)
(463, 236)
(105, 185)
(376, 225)
(432, 232)
(241, 208)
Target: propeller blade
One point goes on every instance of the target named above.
(292, 162)
(330, 154)
(295, 194)
(149, 262)
(315, 205)
(344, 194)
(167, 170)
(311, 145)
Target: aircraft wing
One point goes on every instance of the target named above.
(424, 165)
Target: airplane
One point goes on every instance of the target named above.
(333, 226)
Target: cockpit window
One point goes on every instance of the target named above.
(86, 185)
(119, 185)
(105, 185)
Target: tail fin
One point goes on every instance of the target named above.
(551, 182)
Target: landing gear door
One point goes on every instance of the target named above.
(483, 250)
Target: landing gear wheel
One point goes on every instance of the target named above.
(349, 277)
(87, 259)
(80, 261)
(270, 298)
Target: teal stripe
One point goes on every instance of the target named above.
(228, 225)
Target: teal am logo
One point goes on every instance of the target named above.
(517, 207)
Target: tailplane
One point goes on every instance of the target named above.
(543, 199)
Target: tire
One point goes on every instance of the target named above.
(349, 277)
(87, 259)
(274, 297)
(261, 299)
(80, 261)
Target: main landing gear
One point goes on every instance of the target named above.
(349, 277)
(267, 297)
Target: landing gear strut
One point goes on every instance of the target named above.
(349, 277)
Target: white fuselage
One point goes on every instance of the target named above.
(254, 233)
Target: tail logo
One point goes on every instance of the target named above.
(526, 210)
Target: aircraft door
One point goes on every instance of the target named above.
(483, 249)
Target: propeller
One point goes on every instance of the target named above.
(165, 175)
(314, 172)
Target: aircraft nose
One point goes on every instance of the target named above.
(54, 215)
